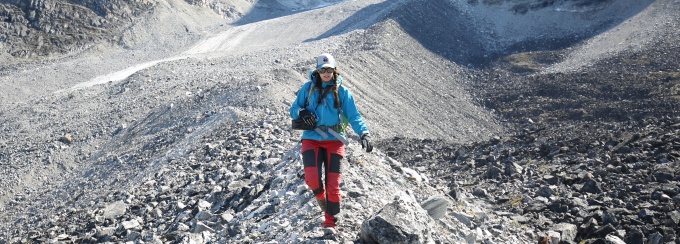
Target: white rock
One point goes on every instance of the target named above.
(130, 224)
(471, 238)
(294, 238)
(612, 239)
(182, 227)
(201, 227)
(554, 236)
(263, 227)
(412, 174)
(217, 188)
(203, 204)
(290, 194)
(227, 217)
(157, 213)
(464, 218)
(114, 210)
(203, 215)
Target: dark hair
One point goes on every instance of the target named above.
(334, 87)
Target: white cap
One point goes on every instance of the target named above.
(325, 60)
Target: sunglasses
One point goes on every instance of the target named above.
(326, 70)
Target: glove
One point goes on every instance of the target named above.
(308, 117)
(366, 142)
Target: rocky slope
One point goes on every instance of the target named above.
(487, 133)
(595, 149)
(36, 29)
(50, 29)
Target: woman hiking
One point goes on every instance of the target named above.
(320, 107)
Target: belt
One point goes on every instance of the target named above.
(334, 127)
(331, 130)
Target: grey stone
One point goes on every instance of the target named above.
(553, 236)
(471, 238)
(567, 231)
(663, 175)
(203, 205)
(203, 215)
(478, 192)
(133, 235)
(545, 191)
(655, 238)
(227, 217)
(634, 237)
(201, 227)
(513, 168)
(464, 218)
(646, 214)
(591, 186)
(436, 206)
(182, 227)
(535, 206)
(674, 219)
(609, 218)
(604, 230)
(105, 231)
(131, 224)
(114, 210)
(453, 193)
(196, 238)
(401, 221)
(493, 173)
(612, 239)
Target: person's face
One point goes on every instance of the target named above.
(326, 74)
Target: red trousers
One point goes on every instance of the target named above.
(323, 158)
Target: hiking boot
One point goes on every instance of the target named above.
(322, 204)
(331, 234)
(329, 231)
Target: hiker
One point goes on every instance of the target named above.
(324, 107)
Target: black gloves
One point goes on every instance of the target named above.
(366, 142)
(308, 117)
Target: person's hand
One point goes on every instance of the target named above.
(308, 117)
(366, 142)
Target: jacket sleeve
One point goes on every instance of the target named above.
(349, 109)
(299, 102)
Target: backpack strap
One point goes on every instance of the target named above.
(309, 94)
(344, 122)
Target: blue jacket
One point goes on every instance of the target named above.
(326, 113)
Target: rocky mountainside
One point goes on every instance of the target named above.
(43, 29)
(35, 29)
(495, 122)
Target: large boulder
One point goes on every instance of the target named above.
(401, 221)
